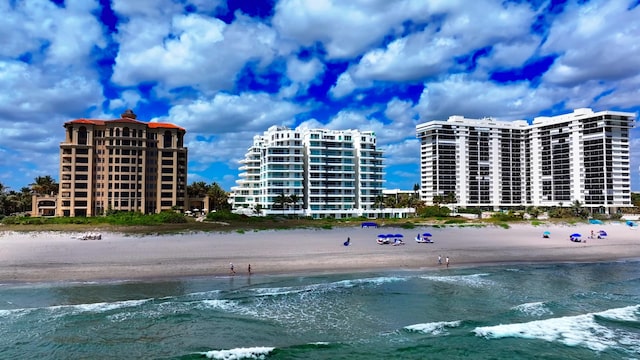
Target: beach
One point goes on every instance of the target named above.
(63, 256)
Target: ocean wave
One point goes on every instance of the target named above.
(580, 330)
(473, 280)
(200, 294)
(433, 328)
(219, 304)
(239, 353)
(57, 311)
(98, 307)
(629, 313)
(533, 309)
(343, 284)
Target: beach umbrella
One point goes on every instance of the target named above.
(602, 233)
(427, 234)
(398, 235)
(391, 235)
(546, 233)
(576, 235)
(382, 236)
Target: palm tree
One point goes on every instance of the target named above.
(450, 198)
(379, 203)
(25, 199)
(197, 189)
(294, 199)
(45, 185)
(3, 200)
(218, 198)
(416, 188)
(578, 211)
(281, 201)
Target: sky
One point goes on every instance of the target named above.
(229, 70)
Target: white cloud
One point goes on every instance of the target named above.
(435, 49)
(607, 34)
(67, 34)
(403, 152)
(227, 113)
(510, 55)
(191, 51)
(304, 71)
(459, 95)
(301, 74)
(624, 94)
(345, 28)
(344, 86)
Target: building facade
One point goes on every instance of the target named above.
(554, 161)
(330, 173)
(122, 164)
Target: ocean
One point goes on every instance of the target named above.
(542, 311)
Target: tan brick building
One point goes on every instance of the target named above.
(122, 164)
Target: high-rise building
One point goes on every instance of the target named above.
(122, 164)
(554, 161)
(330, 173)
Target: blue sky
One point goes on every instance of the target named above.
(228, 70)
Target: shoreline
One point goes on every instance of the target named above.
(61, 257)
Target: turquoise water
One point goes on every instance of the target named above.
(555, 311)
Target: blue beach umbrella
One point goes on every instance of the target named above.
(398, 235)
(546, 233)
(382, 236)
(602, 233)
(576, 235)
(427, 234)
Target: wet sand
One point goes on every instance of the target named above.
(62, 256)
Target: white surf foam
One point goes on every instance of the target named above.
(433, 328)
(629, 313)
(99, 307)
(224, 305)
(343, 284)
(239, 353)
(473, 280)
(533, 309)
(580, 330)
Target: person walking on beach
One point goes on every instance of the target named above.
(439, 259)
(447, 261)
(231, 270)
(249, 269)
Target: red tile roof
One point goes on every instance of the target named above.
(152, 125)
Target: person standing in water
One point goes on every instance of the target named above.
(231, 270)
(447, 261)
(249, 269)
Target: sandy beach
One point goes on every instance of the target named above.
(62, 256)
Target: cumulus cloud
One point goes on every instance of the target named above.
(191, 50)
(345, 28)
(608, 48)
(436, 49)
(228, 113)
(459, 95)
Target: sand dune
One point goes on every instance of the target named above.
(55, 256)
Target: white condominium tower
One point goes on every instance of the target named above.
(582, 156)
(330, 173)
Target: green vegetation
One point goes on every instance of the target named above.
(117, 218)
